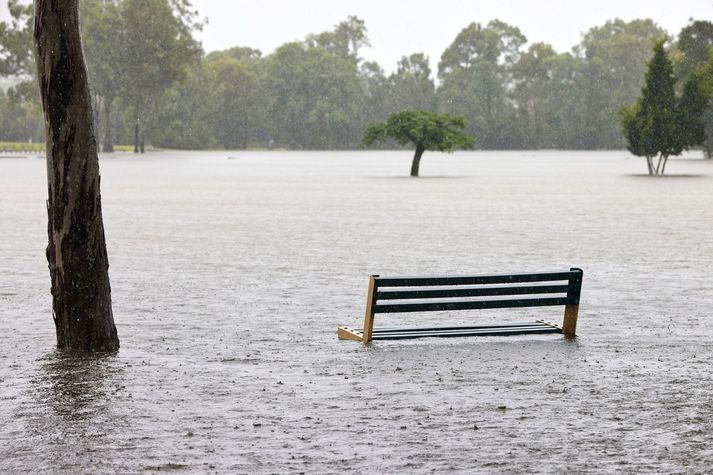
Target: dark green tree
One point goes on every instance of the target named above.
(537, 92)
(236, 89)
(411, 86)
(157, 50)
(694, 43)
(102, 25)
(347, 38)
(659, 124)
(705, 74)
(377, 95)
(425, 130)
(186, 117)
(23, 111)
(692, 108)
(475, 72)
(615, 56)
(16, 56)
(313, 91)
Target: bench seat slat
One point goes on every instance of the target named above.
(470, 292)
(471, 280)
(503, 330)
(466, 305)
(450, 327)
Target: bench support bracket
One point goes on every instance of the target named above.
(345, 333)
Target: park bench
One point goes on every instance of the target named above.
(428, 294)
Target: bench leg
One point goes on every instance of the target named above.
(569, 325)
(369, 314)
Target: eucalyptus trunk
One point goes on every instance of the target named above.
(78, 264)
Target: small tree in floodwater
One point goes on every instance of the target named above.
(424, 129)
(79, 268)
(659, 124)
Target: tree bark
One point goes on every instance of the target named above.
(416, 160)
(78, 264)
(136, 137)
(663, 165)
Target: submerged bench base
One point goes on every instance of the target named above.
(403, 333)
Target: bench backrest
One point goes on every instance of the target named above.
(424, 294)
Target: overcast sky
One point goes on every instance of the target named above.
(401, 27)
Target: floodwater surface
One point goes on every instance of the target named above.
(231, 271)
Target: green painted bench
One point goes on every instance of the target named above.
(429, 294)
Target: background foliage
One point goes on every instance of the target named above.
(152, 82)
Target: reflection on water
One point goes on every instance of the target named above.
(67, 411)
(72, 387)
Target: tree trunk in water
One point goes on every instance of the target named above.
(660, 165)
(663, 165)
(108, 135)
(81, 295)
(416, 160)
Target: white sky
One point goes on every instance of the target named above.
(401, 27)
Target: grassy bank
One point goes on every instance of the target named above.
(26, 147)
(20, 147)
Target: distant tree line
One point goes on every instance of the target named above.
(152, 83)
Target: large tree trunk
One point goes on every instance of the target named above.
(416, 160)
(76, 251)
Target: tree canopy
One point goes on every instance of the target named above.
(425, 130)
(146, 66)
(16, 58)
(695, 46)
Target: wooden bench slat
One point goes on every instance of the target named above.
(495, 331)
(534, 326)
(471, 280)
(402, 333)
(470, 292)
(466, 305)
(451, 327)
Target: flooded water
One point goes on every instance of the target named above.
(231, 272)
